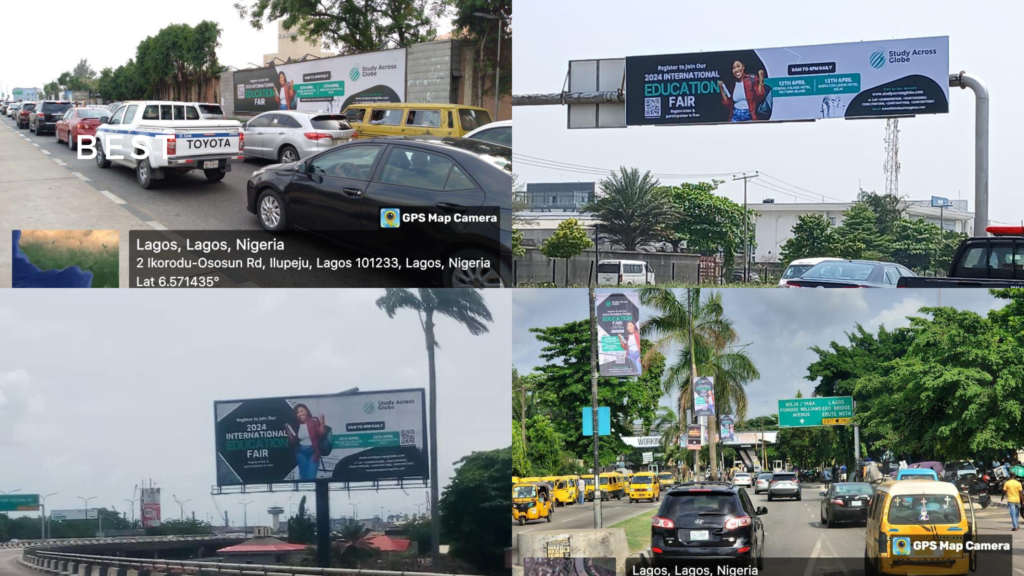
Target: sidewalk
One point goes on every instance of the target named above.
(37, 193)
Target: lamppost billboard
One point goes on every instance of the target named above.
(856, 79)
(728, 431)
(618, 334)
(704, 396)
(325, 84)
(357, 437)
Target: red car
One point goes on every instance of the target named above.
(78, 122)
(23, 114)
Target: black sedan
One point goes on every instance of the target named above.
(845, 502)
(441, 200)
(851, 274)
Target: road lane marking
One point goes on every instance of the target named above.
(81, 176)
(59, 161)
(814, 554)
(36, 145)
(113, 198)
(156, 225)
(45, 152)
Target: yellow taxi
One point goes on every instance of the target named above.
(644, 486)
(531, 501)
(613, 485)
(412, 119)
(564, 490)
(918, 527)
(666, 480)
(588, 487)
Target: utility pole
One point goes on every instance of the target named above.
(598, 523)
(245, 515)
(693, 372)
(86, 501)
(746, 236)
(42, 518)
(856, 440)
(181, 506)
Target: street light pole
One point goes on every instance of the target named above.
(42, 518)
(131, 503)
(598, 520)
(181, 505)
(245, 516)
(746, 221)
(497, 62)
(86, 501)
(11, 491)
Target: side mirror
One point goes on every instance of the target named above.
(104, 119)
(762, 511)
(821, 494)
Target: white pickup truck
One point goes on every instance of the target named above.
(152, 137)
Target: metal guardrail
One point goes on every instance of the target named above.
(37, 557)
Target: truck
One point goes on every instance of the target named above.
(155, 137)
(25, 94)
(995, 261)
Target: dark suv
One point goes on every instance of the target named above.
(44, 117)
(708, 523)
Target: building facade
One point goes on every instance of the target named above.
(291, 46)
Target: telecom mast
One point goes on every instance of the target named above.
(892, 157)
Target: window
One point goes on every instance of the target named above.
(632, 268)
(473, 119)
(1001, 256)
(975, 258)
(924, 509)
(55, 107)
(129, 116)
(179, 111)
(118, 115)
(424, 118)
(152, 112)
(291, 122)
(191, 113)
(386, 117)
(261, 121)
(333, 122)
(457, 180)
(278, 121)
(891, 275)
(416, 169)
(832, 220)
(67, 115)
(211, 109)
(348, 162)
(501, 135)
(355, 114)
(607, 268)
(165, 112)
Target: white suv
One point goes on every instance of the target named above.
(291, 135)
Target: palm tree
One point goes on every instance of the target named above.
(634, 209)
(355, 544)
(713, 348)
(465, 306)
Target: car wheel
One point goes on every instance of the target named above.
(71, 141)
(144, 174)
(769, 496)
(824, 519)
(482, 277)
(101, 158)
(56, 134)
(799, 497)
(549, 516)
(869, 568)
(829, 520)
(287, 155)
(521, 521)
(272, 212)
(214, 174)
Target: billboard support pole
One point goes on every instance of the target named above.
(856, 437)
(981, 99)
(323, 524)
(598, 521)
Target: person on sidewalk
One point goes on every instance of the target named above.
(842, 473)
(1011, 493)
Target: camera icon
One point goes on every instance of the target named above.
(390, 217)
(901, 546)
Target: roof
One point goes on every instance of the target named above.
(401, 105)
(389, 544)
(262, 546)
(914, 487)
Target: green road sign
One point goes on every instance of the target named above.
(19, 502)
(800, 412)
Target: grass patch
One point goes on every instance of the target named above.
(103, 263)
(638, 531)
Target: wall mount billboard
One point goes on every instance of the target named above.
(373, 437)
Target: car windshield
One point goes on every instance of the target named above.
(91, 113)
(784, 477)
(666, 477)
(742, 475)
(211, 109)
(28, 106)
(641, 480)
(330, 123)
(928, 509)
(795, 270)
(853, 489)
(699, 504)
(764, 477)
(54, 107)
(959, 466)
(839, 271)
(524, 491)
(604, 481)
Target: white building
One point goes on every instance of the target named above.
(774, 221)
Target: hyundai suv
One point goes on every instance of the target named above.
(708, 523)
(44, 118)
(784, 485)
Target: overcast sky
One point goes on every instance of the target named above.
(827, 157)
(780, 326)
(101, 389)
(49, 51)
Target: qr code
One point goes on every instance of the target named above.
(652, 107)
(241, 91)
(408, 437)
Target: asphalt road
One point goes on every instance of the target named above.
(9, 565)
(582, 516)
(189, 202)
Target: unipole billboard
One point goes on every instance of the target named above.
(74, 514)
(895, 77)
(325, 84)
(704, 396)
(150, 502)
(618, 334)
(358, 437)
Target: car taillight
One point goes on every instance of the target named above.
(743, 550)
(656, 550)
(241, 141)
(316, 135)
(659, 522)
(81, 126)
(172, 146)
(620, 278)
(738, 522)
(41, 115)
(838, 502)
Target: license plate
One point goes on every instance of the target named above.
(856, 503)
(699, 535)
(211, 164)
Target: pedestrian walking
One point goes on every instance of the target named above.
(581, 486)
(842, 473)
(1011, 493)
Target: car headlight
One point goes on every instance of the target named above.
(259, 172)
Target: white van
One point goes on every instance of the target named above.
(797, 267)
(624, 273)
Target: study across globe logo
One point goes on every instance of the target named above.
(353, 74)
(877, 59)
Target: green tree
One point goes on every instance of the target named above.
(474, 509)
(859, 233)
(708, 222)
(813, 237)
(418, 530)
(186, 527)
(916, 243)
(466, 307)
(517, 243)
(301, 528)
(548, 456)
(481, 31)
(568, 241)
(83, 71)
(520, 464)
(354, 545)
(634, 209)
(888, 210)
(350, 26)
